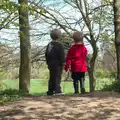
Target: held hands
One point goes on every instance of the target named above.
(66, 68)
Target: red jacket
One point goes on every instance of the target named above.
(76, 58)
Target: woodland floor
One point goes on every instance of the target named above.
(92, 106)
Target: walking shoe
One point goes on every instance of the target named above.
(83, 91)
(61, 93)
(76, 92)
(50, 93)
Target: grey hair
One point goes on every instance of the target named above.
(55, 34)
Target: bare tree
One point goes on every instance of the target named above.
(88, 17)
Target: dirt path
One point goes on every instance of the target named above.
(95, 106)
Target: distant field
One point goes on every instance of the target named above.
(39, 87)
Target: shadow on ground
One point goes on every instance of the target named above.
(93, 106)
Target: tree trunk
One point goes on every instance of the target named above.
(118, 60)
(92, 66)
(92, 82)
(25, 48)
(117, 34)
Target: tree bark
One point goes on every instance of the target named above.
(92, 66)
(25, 48)
(117, 34)
(118, 60)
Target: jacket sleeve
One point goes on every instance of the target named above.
(68, 60)
(62, 54)
(87, 57)
(86, 51)
(46, 54)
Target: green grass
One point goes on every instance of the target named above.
(39, 87)
(10, 92)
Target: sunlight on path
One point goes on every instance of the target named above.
(95, 106)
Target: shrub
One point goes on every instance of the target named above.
(115, 86)
(113, 74)
(10, 95)
(104, 73)
(2, 76)
(101, 73)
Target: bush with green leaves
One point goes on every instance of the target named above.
(113, 74)
(2, 77)
(100, 73)
(11, 95)
(115, 86)
(104, 73)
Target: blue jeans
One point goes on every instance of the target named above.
(55, 79)
(76, 85)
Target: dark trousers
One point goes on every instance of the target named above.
(55, 78)
(76, 85)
